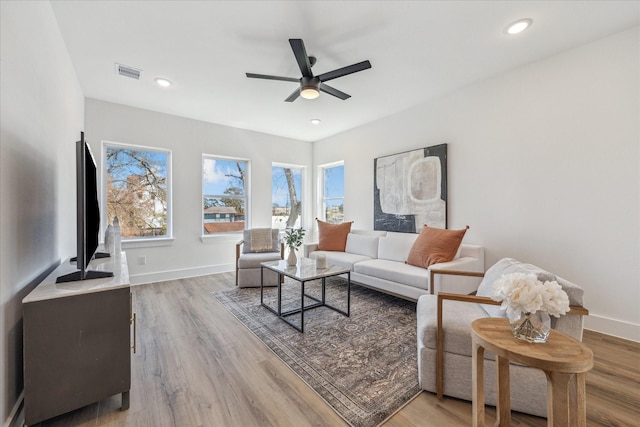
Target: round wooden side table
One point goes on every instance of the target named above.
(564, 360)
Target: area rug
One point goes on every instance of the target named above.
(364, 366)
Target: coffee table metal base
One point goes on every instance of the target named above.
(319, 302)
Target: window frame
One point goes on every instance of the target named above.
(322, 207)
(303, 172)
(247, 196)
(143, 241)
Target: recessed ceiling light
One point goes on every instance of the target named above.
(518, 26)
(316, 121)
(163, 82)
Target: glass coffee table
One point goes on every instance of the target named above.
(304, 271)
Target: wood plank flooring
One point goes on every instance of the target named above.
(197, 365)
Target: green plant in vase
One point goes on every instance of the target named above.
(293, 239)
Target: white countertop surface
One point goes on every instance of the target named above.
(49, 289)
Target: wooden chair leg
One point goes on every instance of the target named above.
(439, 353)
(238, 257)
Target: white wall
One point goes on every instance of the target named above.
(42, 114)
(543, 166)
(189, 140)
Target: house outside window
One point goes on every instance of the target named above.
(224, 194)
(286, 196)
(220, 214)
(332, 177)
(137, 189)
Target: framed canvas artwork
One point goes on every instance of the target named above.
(410, 190)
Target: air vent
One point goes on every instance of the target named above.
(127, 71)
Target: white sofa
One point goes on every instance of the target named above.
(377, 260)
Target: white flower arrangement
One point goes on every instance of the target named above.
(524, 293)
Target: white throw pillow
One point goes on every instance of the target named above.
(396, 246)
(360, 244)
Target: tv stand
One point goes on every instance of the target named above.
(77, 340)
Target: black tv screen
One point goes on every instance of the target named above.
(92, 209)
(87, 215)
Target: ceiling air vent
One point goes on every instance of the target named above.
(127, 71)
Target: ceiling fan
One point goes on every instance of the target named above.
(310, 85)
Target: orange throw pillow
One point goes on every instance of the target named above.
(333, 237)
(435, 245)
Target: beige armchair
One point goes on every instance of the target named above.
(444, 340)
(257, 245)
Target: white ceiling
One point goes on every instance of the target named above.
(418, 50)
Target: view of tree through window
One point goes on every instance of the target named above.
(224, 199)
(286, 197)
(333, 197)
(137, 190)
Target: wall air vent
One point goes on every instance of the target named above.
(127, 71)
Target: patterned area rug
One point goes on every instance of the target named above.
(364, 366)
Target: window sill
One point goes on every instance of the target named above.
(147, 243)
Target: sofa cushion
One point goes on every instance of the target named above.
(435, 245)
(253, 260)
(396, 246)
(362, 245)
(332, 237)
(394, 271)
(456, 316)
(343, 259)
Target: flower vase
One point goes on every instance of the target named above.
(532, 327)
(292, 259)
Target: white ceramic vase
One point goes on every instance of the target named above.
(292, 259)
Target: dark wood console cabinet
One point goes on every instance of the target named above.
(77, 341)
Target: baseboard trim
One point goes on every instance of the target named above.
(16, 416)
(614, 327)
(183, 273)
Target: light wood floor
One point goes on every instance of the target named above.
(196, 365)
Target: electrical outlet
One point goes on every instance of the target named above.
(142, 260)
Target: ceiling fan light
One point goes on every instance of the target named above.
(309, 93)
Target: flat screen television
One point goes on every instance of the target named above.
(87, 216)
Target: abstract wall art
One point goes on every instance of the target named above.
(410, 190)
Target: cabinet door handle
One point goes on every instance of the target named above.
(133, 322)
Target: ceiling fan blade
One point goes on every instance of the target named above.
(344, 71)
(268, 77)
(297, 45)
(333, 91)
(293, 96)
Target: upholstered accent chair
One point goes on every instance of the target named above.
(257, 245)
(444, 339)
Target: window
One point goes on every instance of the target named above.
(224, 194)
(137, 188)
(333, 193)
(286, 196)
